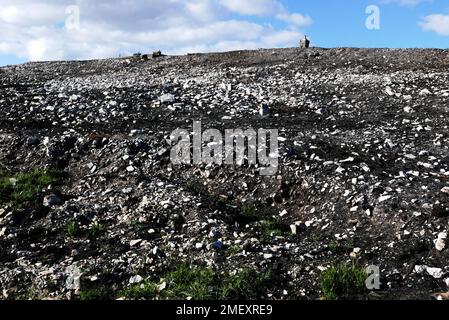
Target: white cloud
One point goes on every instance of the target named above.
(296, 19)
(267, 8)
(252, 7)
(34, 29)
(438, 23)
(407, 3)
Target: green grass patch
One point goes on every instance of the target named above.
(343, 281)
(95, 295)
(270, 229)
(201, 284)
(233, 250)
(24, 190)
(144, 291)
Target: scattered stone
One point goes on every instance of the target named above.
(134, 243)
(73, 278)
(264, 110)
(52, 200)
(135, 280)
(33, 141)
(355, 169)
(168, 98)
(218, 245)
(440, 243)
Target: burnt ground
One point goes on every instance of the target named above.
(364, 165)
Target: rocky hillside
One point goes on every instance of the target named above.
(92, 208)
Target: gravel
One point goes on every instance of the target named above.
(364, 170)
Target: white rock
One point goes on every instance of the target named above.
(384, 198)
(425, 92)
(437, 273)
(340, 170)
(389, 91)
(366, 168)
(440, 243)
(127, 190)
(73, 280)
(162, 286)
(135, 279)
(420, 269)
(168, 98)
(134, 243)
(167, 204)
(74, 97)
(293, 228)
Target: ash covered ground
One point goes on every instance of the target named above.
(363, 176)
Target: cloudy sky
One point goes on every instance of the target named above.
(34, 30)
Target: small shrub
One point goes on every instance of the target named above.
(72, 229)
(342, 281)
(97, 229)
(233, 250)
(249, 213)
(270, 229)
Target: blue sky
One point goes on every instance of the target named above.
(35, 30)
(342, 23)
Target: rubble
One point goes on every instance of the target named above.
(52, 200)
(363, 170)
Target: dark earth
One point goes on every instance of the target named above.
(363, 176)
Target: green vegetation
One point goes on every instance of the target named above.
(201, 284)
(72, 229)
(244, 285)
(270, 229)
(95, 295)
(97, 229)
(341, 247)
(145, 291)
(23, 190)
(233, 250)
(248, 213)
(342, 281)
